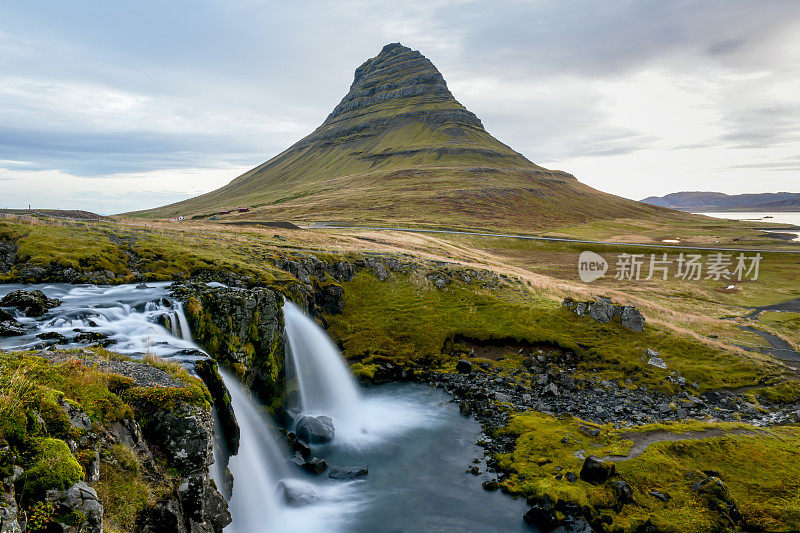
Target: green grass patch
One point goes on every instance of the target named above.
(408, 321)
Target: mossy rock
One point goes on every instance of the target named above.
(53, 468)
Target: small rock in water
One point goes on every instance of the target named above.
(348, 472)
(315, 465)
(296, 494)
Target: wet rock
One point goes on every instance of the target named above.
(596, 471)
(348, 472)
(209, 372)
(52, 336)
(30, 303)
(142, 286)
(542, 514)
(296, 494)
(9, 327)
(571, 477)
(622, 491)
(463, 366)
(632, 318)
(315, 429)
(315, 465)
(490, 485)
(300, 446)
(90, 337)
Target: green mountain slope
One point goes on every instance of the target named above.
(399, 149)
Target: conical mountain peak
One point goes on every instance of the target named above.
(399, 78)
(400, 148)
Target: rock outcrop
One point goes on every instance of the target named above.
(604, 311)
(242, 329)
(29, 303)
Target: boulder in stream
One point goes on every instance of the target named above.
(30, 303)
(315, 429)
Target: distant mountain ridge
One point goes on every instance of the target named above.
(400, 149)
(717, 201)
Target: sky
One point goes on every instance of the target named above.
(115, 106)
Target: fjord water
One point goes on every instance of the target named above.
(413, 439)
(778, 217)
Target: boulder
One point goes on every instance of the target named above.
(296, 494)
(654, 359)
(622, 491)
(632, 318)
(315, 429)
(315, 465)
(602, 310)
(463, 366)
(596, 471)
(11, 328)
(30, 303)
(542, 514)
(348, 472)
(80, 500)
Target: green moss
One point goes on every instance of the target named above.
(760, 469)
(362, 371)
(409, 322)
(784, 392)
(122, 488)
(52, 467)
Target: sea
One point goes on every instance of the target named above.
(786, 217)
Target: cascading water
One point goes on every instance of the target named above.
(325, 385)
(390, 428)
(130, 320)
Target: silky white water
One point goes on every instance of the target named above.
(414, 442)
(258, 504)
(134, 321)
(324, 383)
(326, 386)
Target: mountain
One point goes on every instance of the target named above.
(717, 201)
(400, 149)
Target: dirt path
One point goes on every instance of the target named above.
(642, 440)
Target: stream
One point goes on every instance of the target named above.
(416, 445)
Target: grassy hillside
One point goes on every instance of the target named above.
(399, 149)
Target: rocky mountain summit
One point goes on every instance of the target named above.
(400, 147)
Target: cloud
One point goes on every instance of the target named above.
(612, 91)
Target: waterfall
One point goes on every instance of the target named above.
(258, 466)
(325, 384)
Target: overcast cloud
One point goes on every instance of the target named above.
(113, 106)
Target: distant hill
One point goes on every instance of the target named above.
(400, 149)
(717, 201)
